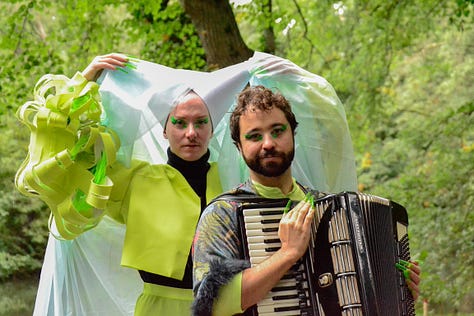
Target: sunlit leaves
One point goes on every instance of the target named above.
(167, 35)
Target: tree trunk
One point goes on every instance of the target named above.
(220, 36)
(268, 33)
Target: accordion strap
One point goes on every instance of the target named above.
(241, 196)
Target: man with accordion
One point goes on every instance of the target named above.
(269, 272)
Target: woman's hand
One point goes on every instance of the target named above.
(110, 61)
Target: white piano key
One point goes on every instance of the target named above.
(271, 308)
(261, 246)
(259, 218)
(260, 226)
(260, 253)
(262, 239)
(257, 260)
(258, 232)
(286, 282)
(279, 303)
(269, 299)
(258, 211)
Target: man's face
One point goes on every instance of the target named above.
(189, 128)
(266, 141)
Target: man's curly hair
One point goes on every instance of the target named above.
(263, 99)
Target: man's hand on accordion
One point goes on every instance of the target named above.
(294, 230)
(411, 271)
(413, 281)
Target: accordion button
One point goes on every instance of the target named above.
(325, 280)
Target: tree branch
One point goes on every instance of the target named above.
(23, 26)
(305, 36)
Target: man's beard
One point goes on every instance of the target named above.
(271, 169)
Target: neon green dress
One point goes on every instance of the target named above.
(160, 210)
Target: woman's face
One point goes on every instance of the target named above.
(189, 128)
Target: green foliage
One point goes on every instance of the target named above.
(17, 297)
(424, 157)
(463, 13)
(167, 35)
(23, 221)
(340, 39)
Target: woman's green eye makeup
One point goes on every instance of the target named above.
(183, 124)
(180, 122)
(201, 122)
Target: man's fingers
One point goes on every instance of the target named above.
(303, 212)
(415, 267)
(299, 213)
(292, 215)
(413, 289)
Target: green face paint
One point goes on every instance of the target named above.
(199, 123)
(253, 137)
(183, 124)
(275, 133)
(180, 123)
(278, 131)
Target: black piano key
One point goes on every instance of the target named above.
(284, 288)
(273, 212)
(288, 276)
(286, 308)
(269, 230)
(270, 221)
(294, 274)
(271, 241)
(272, 249)
(303, 304)
(303, 296)
(284, 297)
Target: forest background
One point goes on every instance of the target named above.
(403, 69)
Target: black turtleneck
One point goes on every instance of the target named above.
(195, 172)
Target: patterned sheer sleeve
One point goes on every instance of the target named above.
(217, 254)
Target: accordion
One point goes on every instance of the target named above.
(349, 267)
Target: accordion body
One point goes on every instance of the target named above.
(349, 267)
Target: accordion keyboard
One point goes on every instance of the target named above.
(291, 295)
(349, 268)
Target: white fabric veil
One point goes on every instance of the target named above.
(84, 276)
